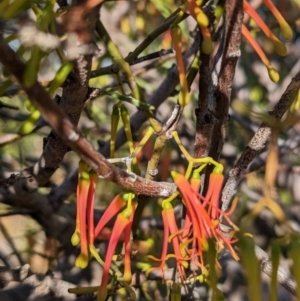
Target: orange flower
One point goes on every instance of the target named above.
(202, 226)
(284, 27)
(122, 221)
(127, 276)
(202, 217)
(122, 224)
(278, 45)
(213, 194)
(170, 234)
(84, 231)
(113, 208)
(164, 248)
(127, 247)
(273, 74)
(81, 229)
(187, 226)
(75, 239)
(90, 207)
(76, 235)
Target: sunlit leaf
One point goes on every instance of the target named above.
(251, 266)
(60, 77)
(29, 124)
(32, 67)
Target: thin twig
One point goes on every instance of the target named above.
(115, 68)
(151, 56)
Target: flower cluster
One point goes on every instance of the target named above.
(189, 243)
(122, 225)
(85, 231)
(201, 223)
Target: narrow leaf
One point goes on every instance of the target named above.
(251, 266)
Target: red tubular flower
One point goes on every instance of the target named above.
(203, 225)
(279, 46)
(170, 216)
(285, 28)
(90, 207)
(127, 276)
(121, 222)
(194, 211)
(113, 208)
(75, 239)
(164, 248)
(170, 234)
(213, 194)
(203, 213)
(195, 182)
(187, 226)
(273, 74)
(127, 247)
(82, 196)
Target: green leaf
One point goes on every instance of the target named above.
(60, 77)
(294, 249)
(175, 292)
(45, 18)
(32, 68)
(211, 255)
(251, 266)
(29, 124)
